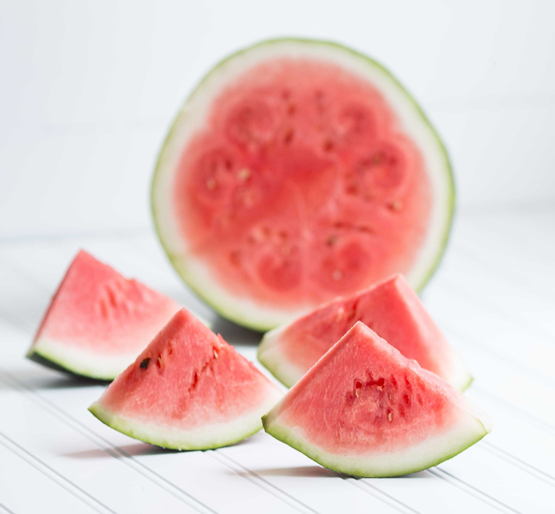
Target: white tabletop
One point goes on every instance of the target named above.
(494, 296)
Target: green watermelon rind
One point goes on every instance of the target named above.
(45, 353)
(59, 363)
(340, 464)
(229, 311)
(151, 434)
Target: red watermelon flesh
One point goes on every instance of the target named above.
(298, 172)
(188, 389)
(99, 321)
(366, 410)
(391, 308)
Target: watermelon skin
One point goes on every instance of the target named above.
(207, 278)
(365, 410)
(98, 321)
(188, 390)
(391, 308)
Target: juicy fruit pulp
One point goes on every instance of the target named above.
(187, 390)
(293, 180)
(366, 410)
(98, 321)
(390, 308)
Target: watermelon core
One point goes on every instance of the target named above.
(391, 308)
(299, 171)
(187, 390)
(98, 321)
(366, 410)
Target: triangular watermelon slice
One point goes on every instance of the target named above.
(188, 390)
(98, 321)
(391, 308)
(365, 410)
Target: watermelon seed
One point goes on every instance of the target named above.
(244, 174)
(144, 363)
(288, 136)
(390, 416)
(159, 361)
(397, 205)
(328, 145)
(331, 240)
(215, 354)
(390, 396)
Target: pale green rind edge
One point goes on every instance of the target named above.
(57, 363)
(263, 327)
(127, 428)
(333, 463)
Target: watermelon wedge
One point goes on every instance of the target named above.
(188, 390)
(98, 321)
(299, 171)
(391, 308)
(366, 410)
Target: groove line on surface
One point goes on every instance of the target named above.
(49, 472)
(112, 450)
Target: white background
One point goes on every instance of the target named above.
(89, 88)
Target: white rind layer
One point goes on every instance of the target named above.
(79, 361)
(202, 437)
(192, 118)
(469, 429)
(280, 366)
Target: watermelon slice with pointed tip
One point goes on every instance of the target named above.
(188, 390)
(296, 172)
(365, 410)
(98, 321)
(391, 308)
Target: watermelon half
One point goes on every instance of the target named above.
(298, 171)
(188, 390)
(391, 308)
(98, 321)
(366, 410)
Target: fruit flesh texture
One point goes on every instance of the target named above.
(365, 402)
(301, 186)
(187, 378)
(390, 308)
(99, 312)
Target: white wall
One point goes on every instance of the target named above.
(89, 88)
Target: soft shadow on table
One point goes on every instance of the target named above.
(137, 449)
(293, 471)
(39, 379)
(235, 334)
(132, 450)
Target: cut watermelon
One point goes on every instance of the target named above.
(298, 171)
(366, 410)
(98, 321)
(188, 390)
(391, 308)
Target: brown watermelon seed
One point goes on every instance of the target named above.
(331, 240)
(144, 363)
(397, 205)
